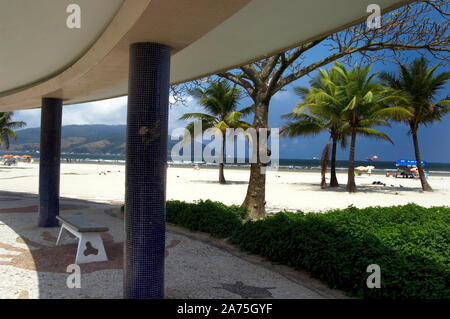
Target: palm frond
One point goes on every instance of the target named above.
(301, 91)
(6, 128)
(418, 83)
(370, 132)
(302, 127)
(198, 116)
(393, 113)
(247, 110)
(222, 125)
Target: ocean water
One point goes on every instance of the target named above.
(289, 164)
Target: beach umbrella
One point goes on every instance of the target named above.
(404, 162)
(6, 156)
(26, 156)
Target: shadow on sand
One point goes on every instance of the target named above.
(217, 182)
(364, 188)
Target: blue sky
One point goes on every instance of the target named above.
(434, 141)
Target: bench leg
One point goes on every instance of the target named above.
(65, 233)
(90, 249)
(60, 235)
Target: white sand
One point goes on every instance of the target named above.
(284, 190)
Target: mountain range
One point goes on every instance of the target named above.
(91, 139)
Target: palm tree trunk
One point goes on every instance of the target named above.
(333, 178)
(324, 164)
(351, 186)
(425, 186)
(222, 162)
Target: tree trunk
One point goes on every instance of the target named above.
(351, 186)
(324, 164)
(255, 200)
(333, 178)
(222, 162)
(425, 186)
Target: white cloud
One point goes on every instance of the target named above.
(31, 117)
(178, 109)
(111, 112)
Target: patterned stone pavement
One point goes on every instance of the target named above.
(197, 266)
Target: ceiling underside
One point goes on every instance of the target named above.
(206, 37)
(36, 41)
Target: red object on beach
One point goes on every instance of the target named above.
(6, 156)
(26, 156)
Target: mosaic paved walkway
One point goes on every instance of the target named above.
(197, 266)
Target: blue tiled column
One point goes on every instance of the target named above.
(145, 194)
(49, 162)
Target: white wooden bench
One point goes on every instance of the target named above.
(90, 243)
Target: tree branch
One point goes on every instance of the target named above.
(437, 7)
(348, 51)
(287, 61)
(250, 71)
(239, 81)
(268, 67)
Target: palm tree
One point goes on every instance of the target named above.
(6, 128)
(320, 111)
(367, 104)
(219, 100)
(420, 87)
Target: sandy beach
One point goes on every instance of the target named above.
(196, 265)
(290, 190)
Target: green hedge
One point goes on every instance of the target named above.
(210, 217)
(410, 244)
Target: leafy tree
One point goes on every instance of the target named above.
(367, 104)
(419, 25)
(219, 100)
(320, 111)
(419, 84)
(7, 128)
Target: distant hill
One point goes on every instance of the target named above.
(91, 139)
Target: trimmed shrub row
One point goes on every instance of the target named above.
(409, 243)
(210, 217)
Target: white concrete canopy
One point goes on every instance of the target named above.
(36, 43)
(41, 57)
